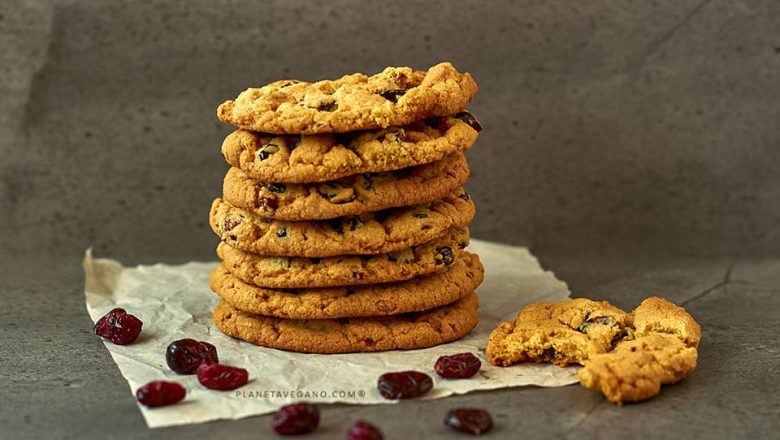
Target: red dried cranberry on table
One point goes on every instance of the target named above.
(118, 326)
(364, 431)
(160, 393)
(469, 420)
(296, 418)
(457, 366)
(221, 377)
(185, 355)
(404, 384)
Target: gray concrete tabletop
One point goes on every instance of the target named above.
(632, 146)
(58, 381)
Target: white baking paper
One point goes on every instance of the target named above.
(174, 302)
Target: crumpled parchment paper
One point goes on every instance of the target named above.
(174, 302)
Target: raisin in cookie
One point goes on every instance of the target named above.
(349, 195)
(396, 96)
(344, 270)
(562, 333)
(349, 335)
(637, 368)
(379, 232)
(319, 158)
(349, 302)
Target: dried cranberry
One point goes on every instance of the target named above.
(296, 418)
(221, 377)
(445, 256)
(328, 106)
(231, 223)
(275, 187)
(364, 431)
(597, 320)
(267, 203)
(457, 366)
(185, 355)
(404, 384)
(119, 327)
(470, 119)
(469, 420)
(392, 95)
(160, 393)
(267, 150)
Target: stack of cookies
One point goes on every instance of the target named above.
(343, 218)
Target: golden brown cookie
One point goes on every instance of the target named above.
(349, 195)
(562, 333)
(319, 158)
(636, 369)
(349, 302)
(344, 270)
(657, 315)
(627, 357)
(396, 96)
(371, 233)
(347, 335)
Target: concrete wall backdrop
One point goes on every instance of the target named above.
(611, 126)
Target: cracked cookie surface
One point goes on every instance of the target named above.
(395, 96)
(370, 233)
(349, 195)
(319, 158)
(657, 315)
(416, 295)
(562, 333)
(344, 270)
(347, 335)
(637, 368)
(654, 345)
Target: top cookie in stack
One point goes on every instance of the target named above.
(343, 218)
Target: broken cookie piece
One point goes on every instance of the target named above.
(636, 369)
(564, 333)
(657, 315)
(626, 356)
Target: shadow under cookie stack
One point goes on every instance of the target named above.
(343, 220)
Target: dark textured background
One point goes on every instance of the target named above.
(633, 145)
(611, 126)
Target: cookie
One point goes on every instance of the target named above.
(396, 96)
(626, 356)
(348, 335)
(357, 301)
(344, 270)
(320, 158)
(379, 232)
(562, 333)
(657, 315)
(349, 195)
(636, 369)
